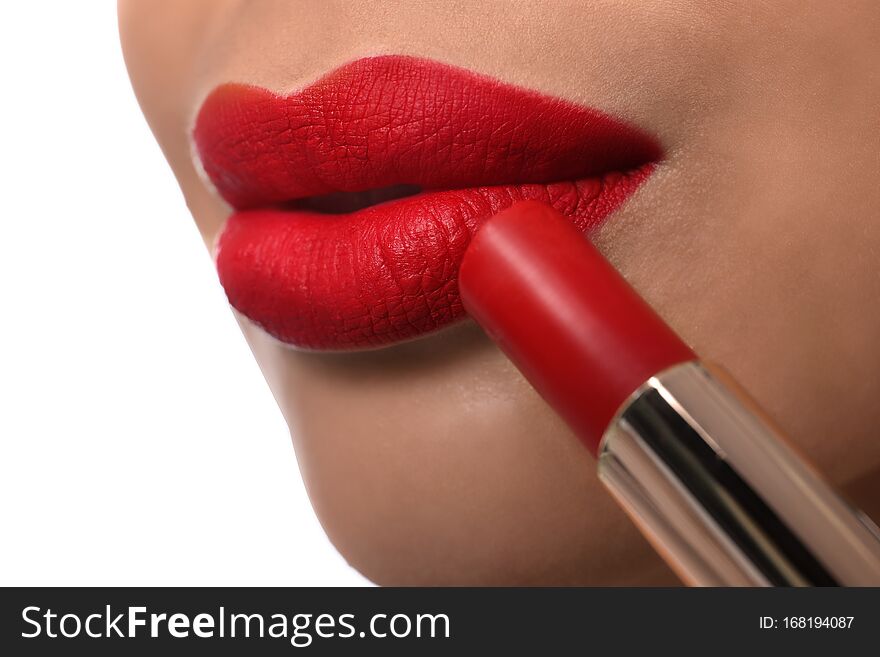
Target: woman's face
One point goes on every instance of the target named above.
(756, 236)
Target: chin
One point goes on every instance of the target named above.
(446, 468)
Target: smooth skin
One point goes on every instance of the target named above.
(757, 239)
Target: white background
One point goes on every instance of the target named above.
(139, 444)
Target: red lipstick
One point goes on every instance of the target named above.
(356, 196)
(530, 299)
(706, 477)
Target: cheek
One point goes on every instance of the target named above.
(443, 467)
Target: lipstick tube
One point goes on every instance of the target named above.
(722, 497)
(709, 480)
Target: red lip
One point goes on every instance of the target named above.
(373, 129)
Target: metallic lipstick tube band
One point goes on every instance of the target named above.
(722, 497)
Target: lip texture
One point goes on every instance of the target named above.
(297, 259)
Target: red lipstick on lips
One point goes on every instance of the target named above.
(356, 197)
(707, 478)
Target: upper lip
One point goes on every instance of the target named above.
(373, 130)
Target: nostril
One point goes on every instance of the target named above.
(345, 202)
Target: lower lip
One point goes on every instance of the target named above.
(383, 274)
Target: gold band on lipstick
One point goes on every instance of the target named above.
(723, 497)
